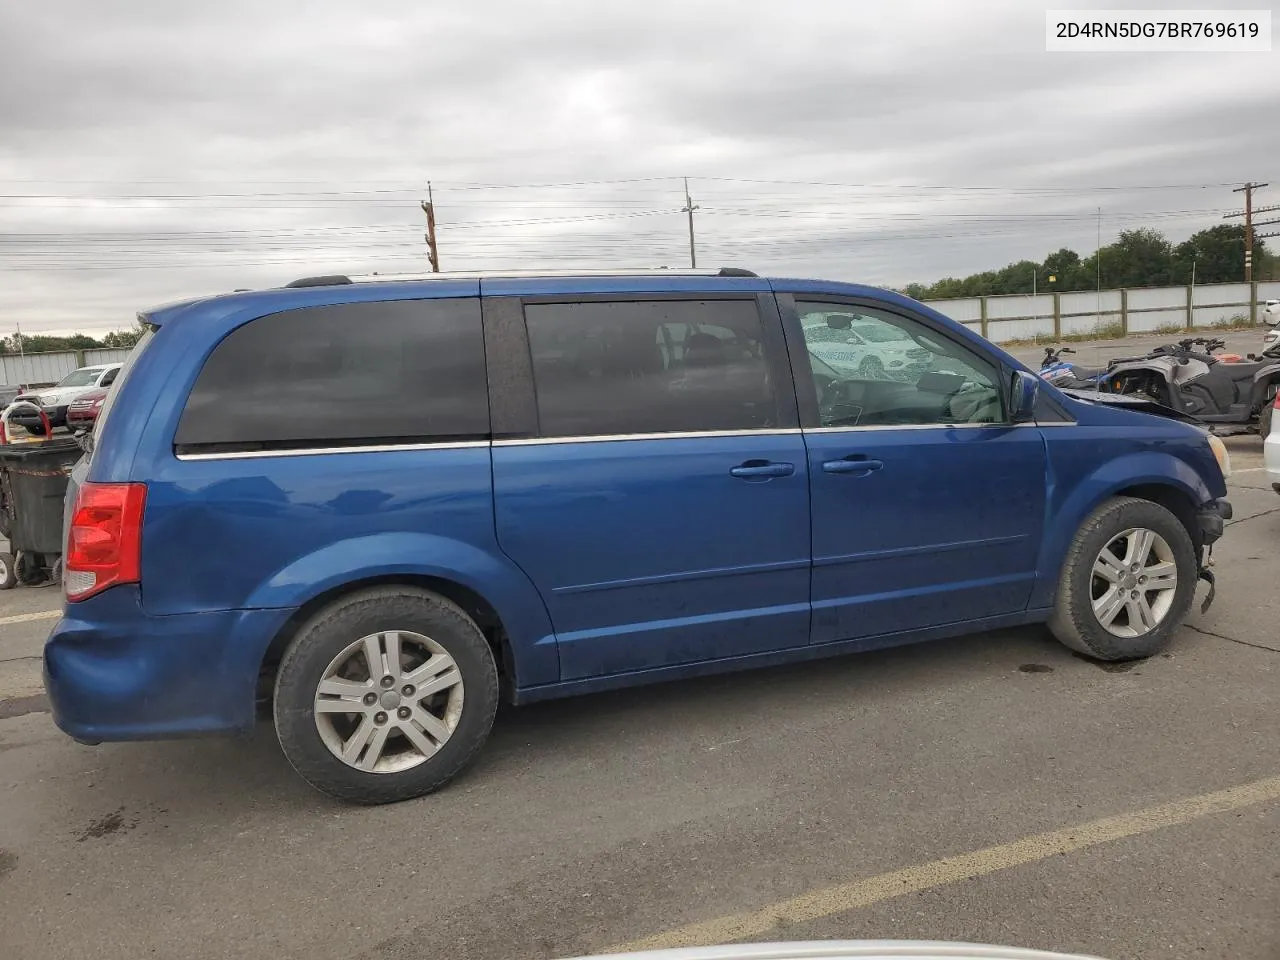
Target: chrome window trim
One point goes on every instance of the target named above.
(687, 435)
(322, 451)
(602, 438)
(917, 426)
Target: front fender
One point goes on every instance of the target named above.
(493, 577)
(1065, 515)
(1263, 380)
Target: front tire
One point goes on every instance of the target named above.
(1127, 582)
(385, 695)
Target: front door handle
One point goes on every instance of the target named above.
(762, 470)
(854, 466)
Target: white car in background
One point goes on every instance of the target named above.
(55, 400)
(871, 350)
(1271, 317)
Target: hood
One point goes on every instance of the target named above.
(1129, 402)
(57, 396)
(844, 950)
(89, 397)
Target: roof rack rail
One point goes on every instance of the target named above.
(338, 279)
(534, 274)
(328, 281)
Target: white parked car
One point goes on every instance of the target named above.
(1271, 317)
(55, 400)
(864, 347)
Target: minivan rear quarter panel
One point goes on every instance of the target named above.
(274, 529)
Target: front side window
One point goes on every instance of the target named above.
(649, 367)
(404, 371)
(874, 368)
(109, 377)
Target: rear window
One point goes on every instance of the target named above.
(649, 367)
(404, 371)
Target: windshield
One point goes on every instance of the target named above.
(83, 377)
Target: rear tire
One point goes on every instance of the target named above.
(1264, 418)
(1086, 597)
(334, 699)
(8, 573)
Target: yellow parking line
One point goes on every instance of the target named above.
(28, 617)
(861, 893)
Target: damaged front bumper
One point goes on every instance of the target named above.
(1211, 520)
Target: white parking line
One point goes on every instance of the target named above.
(843, 897)
(28, 617)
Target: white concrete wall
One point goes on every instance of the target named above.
(1082, 312)
(965, 310)
(44, 368)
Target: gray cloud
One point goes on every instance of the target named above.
(152, 150)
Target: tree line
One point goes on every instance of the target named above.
(15, 344)
(1138, 258)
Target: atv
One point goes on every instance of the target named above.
(1229, 398)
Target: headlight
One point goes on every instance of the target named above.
(49, 399)
(1220, 454)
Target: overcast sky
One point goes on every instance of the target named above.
(157, 149)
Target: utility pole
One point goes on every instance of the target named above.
(1098, 256)
(1247, 213)
(22, 354)
(689, 207)
(433, 252)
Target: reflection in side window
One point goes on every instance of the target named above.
(880, 369)
(656, 366)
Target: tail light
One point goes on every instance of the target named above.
(1277, 403)
(104, 541)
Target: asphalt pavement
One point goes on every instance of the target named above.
(991, 788)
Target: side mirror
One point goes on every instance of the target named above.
(1022, 403)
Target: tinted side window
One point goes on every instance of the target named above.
(874, 368)
(361, 373)
(649, 366)
(108, 378)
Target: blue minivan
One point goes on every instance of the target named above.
(382, 505)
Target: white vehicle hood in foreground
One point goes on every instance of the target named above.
(848, 950)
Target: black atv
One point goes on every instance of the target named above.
(1228, 397)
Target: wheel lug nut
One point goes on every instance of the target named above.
(403, 713)
(408, 690)
(370, 699)
(379, 718)
(388, 681)
(1134, 594)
